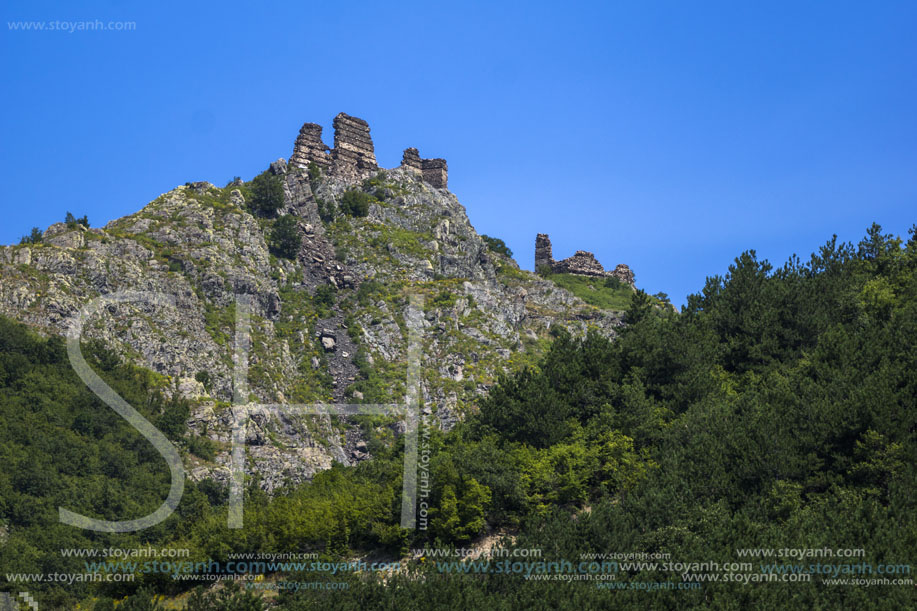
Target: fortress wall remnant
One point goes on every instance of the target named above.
(543, 256)
(435, 172)
(309, 148)
(582, 263)
(353, 153)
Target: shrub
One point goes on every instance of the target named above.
(202, 447)
(355, 203)
(325, 209)
(497, 245)
(72, 221)
(285, 238)
(315, 172)
(324, 297)
(613, 283)
(33, 238)
(267, 194)
(203, 377)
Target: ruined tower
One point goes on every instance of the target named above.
(309, 148)
(411, 160)
(353, 153)
(434, 171)
(543, 256)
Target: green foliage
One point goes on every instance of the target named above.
(355, 203)
(326, 209)
(324, 298)
(72, 222)
(267, 194)
(34, 237)
(777, 411)
(202, 447)
(315, 172)
(595, 291)
(204, 378)
(285, 238)
(231, 597)
(497, 245)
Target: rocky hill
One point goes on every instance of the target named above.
(328, 318)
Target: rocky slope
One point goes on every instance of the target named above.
(202, 246)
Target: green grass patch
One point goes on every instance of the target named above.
(600, 292)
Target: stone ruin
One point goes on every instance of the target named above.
(582, 263)
(353, 154)
(353, 146)
(309, 148)
(433, 171)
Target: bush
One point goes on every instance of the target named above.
(325, 209)
(355, 203)
(72, 221)
(285, 238)
(267, 194)
(33, 238)
(315, 172)
(202, 447)
(497, 245)
(324, 298)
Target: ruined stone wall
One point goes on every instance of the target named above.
(436, 172)
(353, 153)
(309, 148)
(623, 273)
(543, 256)
(354, 156)
(411, 160)
(582, 263)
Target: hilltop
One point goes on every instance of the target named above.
(329, 247)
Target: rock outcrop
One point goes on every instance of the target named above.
(582, 263)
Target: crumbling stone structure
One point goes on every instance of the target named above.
(434, 171)
(582, 263)
(411, 160)
(353, 154)
(543, 257)
(309, 148)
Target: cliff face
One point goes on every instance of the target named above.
(328, 325)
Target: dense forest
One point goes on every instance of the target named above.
(777, 410)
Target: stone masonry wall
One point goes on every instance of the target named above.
(309, 148)
(436, 172)
(543, 256)
(582, 263)
(411, 160)
(353, 153)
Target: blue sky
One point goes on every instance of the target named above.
(667, 135)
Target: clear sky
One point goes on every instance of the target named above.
(667, 135)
